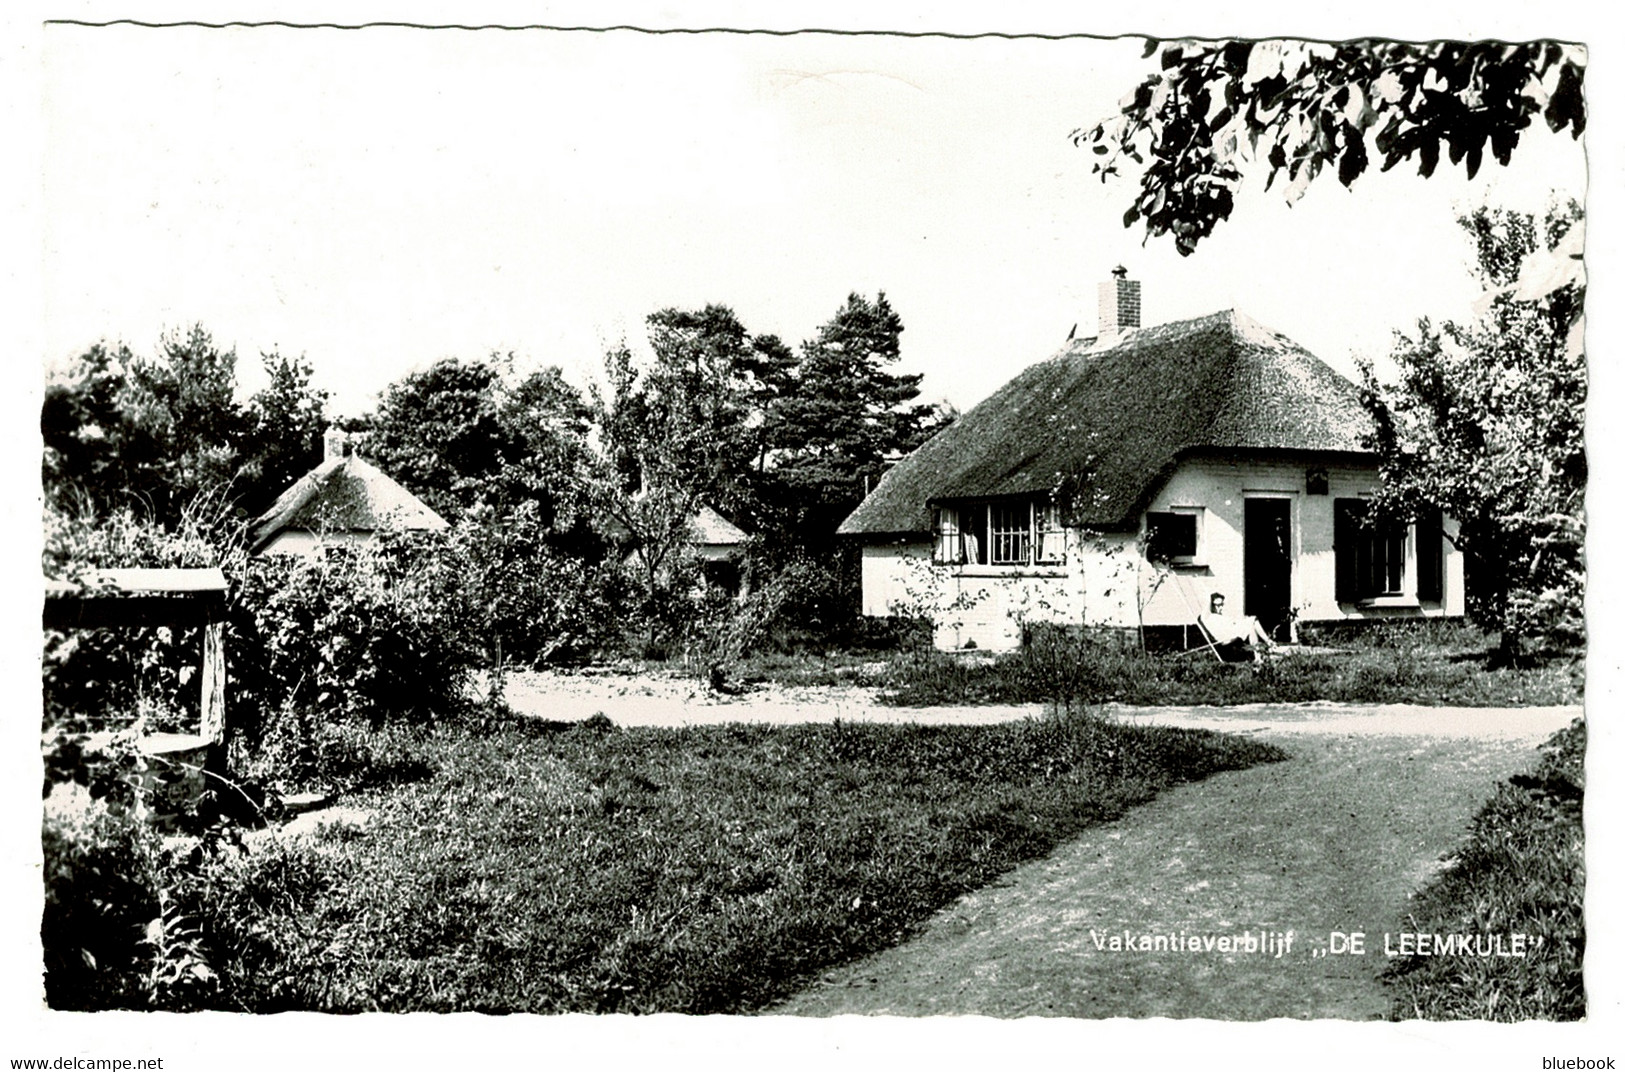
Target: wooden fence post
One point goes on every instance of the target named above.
(214, 683)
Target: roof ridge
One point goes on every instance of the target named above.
(1114, 414)
(381, 495)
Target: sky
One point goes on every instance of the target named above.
(379, 199)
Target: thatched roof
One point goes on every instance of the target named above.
(344, 495)
(711, 528)
(1105, 422)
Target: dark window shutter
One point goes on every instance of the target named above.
(1430, 557)
(1346, 514)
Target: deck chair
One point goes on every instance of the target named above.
(1231, 640)
(1232, 644)
(1182, 586)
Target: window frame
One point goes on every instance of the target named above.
(947, 542)
(1384, 567)
(1197, 514)
(1003, 535)
(1010, 534)
(1049, 531)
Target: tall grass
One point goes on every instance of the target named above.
(1081, 668)
(1521, 871)
(706, 869)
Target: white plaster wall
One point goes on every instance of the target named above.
(1222, 488)
(1106, 581)
(1109, 571)
(897, 579)
(308, 545)
(986, 607)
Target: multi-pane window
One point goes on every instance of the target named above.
(1380, 562)
(1011, 529)
(999, 534)
(1051, 535)
(1372, 556)
(949, 547)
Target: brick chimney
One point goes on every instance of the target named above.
(335, 444)
(1119, 303)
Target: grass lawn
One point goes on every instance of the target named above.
(1423, 666)
(1522, 870)
(706, 869)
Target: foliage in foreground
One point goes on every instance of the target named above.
(1522, 870)
(549, 868)
(1419, 666)
(1196, 128)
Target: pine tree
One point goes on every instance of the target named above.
(848, 414)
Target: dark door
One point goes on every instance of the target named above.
(1267, 563)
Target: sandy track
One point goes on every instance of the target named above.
(1334, 839)
(650, 700)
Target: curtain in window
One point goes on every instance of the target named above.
(1051, 536)
(948, 550)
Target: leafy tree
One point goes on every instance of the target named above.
(440, 432)
(514, 592)
(1215, 107)
(1485, 421)
(285, 419)
(87, 463)
(702, 397)
(185, 403)
(770, 369)
(458, 434)
(548, 421)
(645, 498)
(122, 430)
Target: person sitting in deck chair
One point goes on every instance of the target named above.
(1235, 638)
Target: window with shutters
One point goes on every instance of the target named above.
(1386, 561)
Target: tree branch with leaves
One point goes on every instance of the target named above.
(1218, 111)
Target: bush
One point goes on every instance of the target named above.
(117, 930)
(350, 637)
(518, 596)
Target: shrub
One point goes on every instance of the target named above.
(117, 930)
(350, 637)
(519, 596)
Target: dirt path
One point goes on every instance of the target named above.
(1334, 839)
(653, 700)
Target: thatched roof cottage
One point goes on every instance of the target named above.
(1129, 477)
(344, 500)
